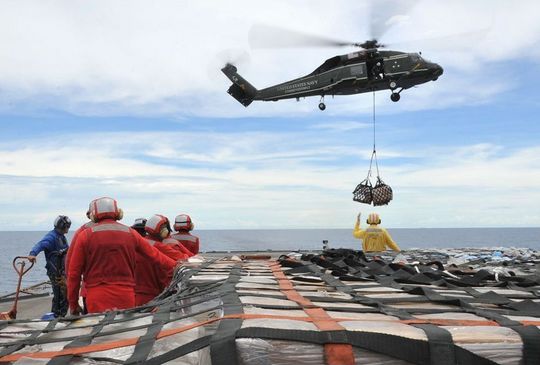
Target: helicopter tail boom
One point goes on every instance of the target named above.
(241, 90)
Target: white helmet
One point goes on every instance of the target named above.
(155, 223)
(105, 207)
(183, 222)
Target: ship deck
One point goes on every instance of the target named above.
(338, 307)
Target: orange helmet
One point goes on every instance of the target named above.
(373, 219)
(183, 222)
(105, 207)
(155, 223)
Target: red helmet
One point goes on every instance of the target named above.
(155, 223)
(183, 222)
(102, 208)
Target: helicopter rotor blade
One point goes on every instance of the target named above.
(266, 36)
(234, 56)
(385, 13)
(445, 42)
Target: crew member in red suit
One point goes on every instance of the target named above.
(158, 231)
(105, 254)
(183, 225)
(150, 280)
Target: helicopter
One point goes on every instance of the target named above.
(366, 70)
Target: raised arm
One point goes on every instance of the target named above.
(358, 233)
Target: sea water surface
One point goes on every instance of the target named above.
(19, 243)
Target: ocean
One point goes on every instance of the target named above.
(19, 243)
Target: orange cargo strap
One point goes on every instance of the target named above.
(335, 354)
(173, 331)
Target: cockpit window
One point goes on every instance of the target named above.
(415, 57)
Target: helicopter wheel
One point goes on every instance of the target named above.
(395, 97)
(322, 106)
(393, 85)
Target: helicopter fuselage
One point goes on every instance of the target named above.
(354, 73)
(358, 73)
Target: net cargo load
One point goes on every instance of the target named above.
(339, 307)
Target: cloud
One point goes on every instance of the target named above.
(472, 167)
(131, 58)
(261, 180)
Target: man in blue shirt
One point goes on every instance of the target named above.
(55, 246)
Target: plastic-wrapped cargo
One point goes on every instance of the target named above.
(350, 310)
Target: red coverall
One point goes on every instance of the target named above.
(106, 255)
(151, 280)
(70, 250)
(188, 240)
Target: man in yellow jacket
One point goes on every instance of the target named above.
(374, 238)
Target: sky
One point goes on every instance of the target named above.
(126, 99)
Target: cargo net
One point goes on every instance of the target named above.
(367, 193)
(338, 307)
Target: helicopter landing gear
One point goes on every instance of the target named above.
(395, 95)
(322, 105)
(393, 86)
